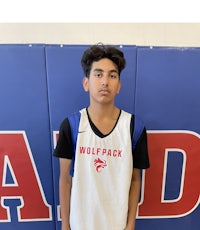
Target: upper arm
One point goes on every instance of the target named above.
(136, 175)
(64, 146)
(65, 165)
(141, 151)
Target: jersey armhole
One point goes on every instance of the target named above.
(74, 120)
(136, 130)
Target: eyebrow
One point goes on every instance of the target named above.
(101, 70)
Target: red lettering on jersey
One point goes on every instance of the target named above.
(14, 148)
(152, 203)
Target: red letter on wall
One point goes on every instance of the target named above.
(16, 155)
(152, 203)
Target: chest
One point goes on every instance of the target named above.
(104, 126)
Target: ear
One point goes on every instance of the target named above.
(119, 87)
(85, 84)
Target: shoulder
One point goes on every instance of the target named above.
(135, 120)
(64, 124)
(77, 114)
(137, 126)
(72, 117)
(126, 116)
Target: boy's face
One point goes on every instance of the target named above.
(103, 83)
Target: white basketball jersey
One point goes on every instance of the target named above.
(102, 177)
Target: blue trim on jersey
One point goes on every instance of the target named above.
(138, 129)
(74, 120)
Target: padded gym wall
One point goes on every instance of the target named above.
(25, 161)
(167, 98)
(42, 84)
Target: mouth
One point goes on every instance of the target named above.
(104, 91)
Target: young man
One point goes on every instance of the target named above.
(100, 177)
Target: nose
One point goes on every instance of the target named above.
(104, 80)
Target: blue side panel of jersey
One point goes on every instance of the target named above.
(138, 129)
(74, 120)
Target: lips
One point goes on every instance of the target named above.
(104, 91)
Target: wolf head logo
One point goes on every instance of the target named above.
(99, 164)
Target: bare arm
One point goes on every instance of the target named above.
(133, 199)
(65, 183)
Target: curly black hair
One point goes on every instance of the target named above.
(100, 51)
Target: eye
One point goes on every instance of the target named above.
(98, 74)
(114, 76)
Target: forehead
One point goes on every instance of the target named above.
(104, 64)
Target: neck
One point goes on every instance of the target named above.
(103, 111)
